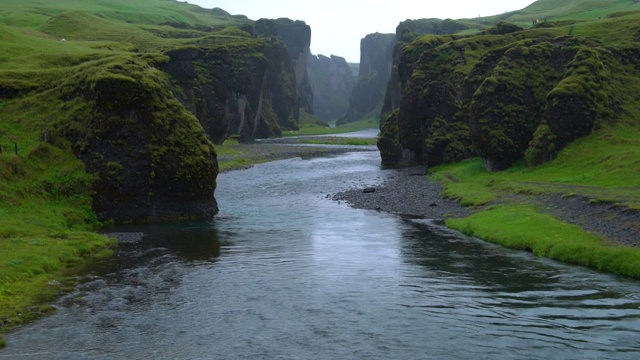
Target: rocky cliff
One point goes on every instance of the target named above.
(141, 95)
(149, 156)
(244, 85)
(297, 38)
(376, 61)
(332, 83)
(505, 94)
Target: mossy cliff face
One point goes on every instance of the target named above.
(503, 93)
(375, 68)
(297, 37)
(406, 55)
(149, 156)
(243, 86)
(332, 83)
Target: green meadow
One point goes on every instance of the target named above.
(604, 167)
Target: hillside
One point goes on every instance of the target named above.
(109, 112)
(534, 126)
(489, 93)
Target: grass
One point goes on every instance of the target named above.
(47, 222)
(232, 155)
(604, 167)
(558, 10)
(525, 228)
(336, 140)
(313, 129)
(46, 227)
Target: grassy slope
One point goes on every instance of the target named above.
(563, 10)
(310, 125)
(604, 166)
(47, 221)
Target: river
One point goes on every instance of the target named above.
(286, 273)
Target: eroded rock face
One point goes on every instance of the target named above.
(151, 159)
(376, 62)
(332, 83)
(245, 87)
(297, 37)
(523, 95)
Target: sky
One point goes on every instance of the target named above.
(337, 26)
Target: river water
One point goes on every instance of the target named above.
(286, 273)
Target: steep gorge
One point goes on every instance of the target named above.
(506, 94)
(143, 114)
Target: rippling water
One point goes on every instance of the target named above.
(286, 273)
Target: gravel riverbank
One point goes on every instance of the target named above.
(406, 192)
(410, 192)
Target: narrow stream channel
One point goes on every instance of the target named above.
(286, 273)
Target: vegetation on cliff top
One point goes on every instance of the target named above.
(86, 113)
(555, 107)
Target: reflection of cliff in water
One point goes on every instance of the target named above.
(450, 254)
(189, 241)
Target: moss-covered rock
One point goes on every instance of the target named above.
(296, 35)
(542, 147)
(508, 106)
(375, 68)
(388, 140)
(582, 100)
(150, 158)
(332, 82)
(448, 142)
(239, 86)
(515, 91)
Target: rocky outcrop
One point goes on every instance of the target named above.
(332, 83)
(451, 142)
(504, 94)
(150, 158)
(243, 85)
(142, 103)
(297, 38)
(376, 61)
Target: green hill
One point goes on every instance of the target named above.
(109, 111)
(550, 108)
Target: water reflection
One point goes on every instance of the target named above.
(287, 273)
(492, 268)
(189, 241)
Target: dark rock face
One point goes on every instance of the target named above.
(151, 158)
(332, 82)
(376, 61)
(525, 97)
(245, 87)
(297, 37)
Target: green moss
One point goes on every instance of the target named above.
(524, 228)
(542, 147)
(447, 142)
(100, 96)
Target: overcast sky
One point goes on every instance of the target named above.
(338, 25)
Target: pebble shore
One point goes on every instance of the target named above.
(410, 192)
(407, 192)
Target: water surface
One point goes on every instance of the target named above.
(286, 273)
